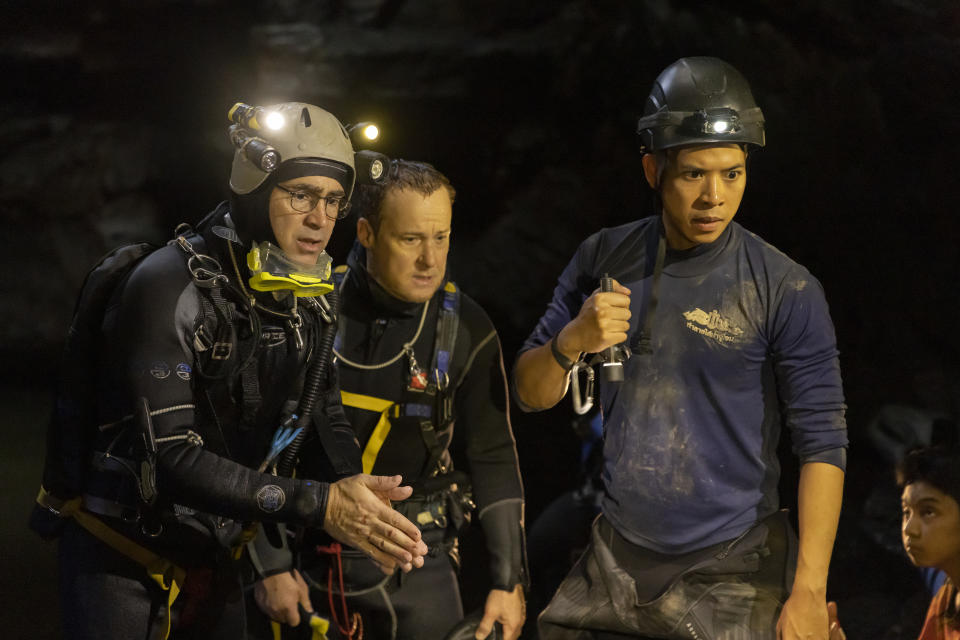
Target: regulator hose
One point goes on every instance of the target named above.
(316, 381)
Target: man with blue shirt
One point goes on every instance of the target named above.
(730, 340)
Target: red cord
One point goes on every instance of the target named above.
(357, 626)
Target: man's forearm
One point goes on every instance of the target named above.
(820, 497)
(540, 380)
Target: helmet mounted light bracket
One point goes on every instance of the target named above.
(712, 125)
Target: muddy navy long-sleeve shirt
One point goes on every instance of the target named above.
(742, 342)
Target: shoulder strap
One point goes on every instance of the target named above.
(448, 321)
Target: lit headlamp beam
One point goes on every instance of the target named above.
(275, 120)
(363, 132)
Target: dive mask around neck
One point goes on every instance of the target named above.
(272, 270)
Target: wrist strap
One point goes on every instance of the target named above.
(561, 359)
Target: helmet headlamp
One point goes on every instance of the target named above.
(712, 122)
(272, 270)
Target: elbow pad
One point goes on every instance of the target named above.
(502, 524)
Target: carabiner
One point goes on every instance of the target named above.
(584, 405)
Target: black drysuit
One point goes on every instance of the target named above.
(204, 368)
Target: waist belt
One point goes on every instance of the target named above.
(110, 508)
(169, 576)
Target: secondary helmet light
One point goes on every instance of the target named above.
(258, 151)
(363, 132)
(371, 166)
(272, 270)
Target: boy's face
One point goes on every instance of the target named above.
(931, 527)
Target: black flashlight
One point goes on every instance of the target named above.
(257, 150)
(613, 356)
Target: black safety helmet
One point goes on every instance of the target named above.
(700, 100)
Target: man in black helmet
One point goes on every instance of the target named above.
(729, 339)
(213, 374)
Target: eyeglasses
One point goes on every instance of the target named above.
(303, 201)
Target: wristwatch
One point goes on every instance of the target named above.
(561, 359)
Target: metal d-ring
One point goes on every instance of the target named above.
(443, 380)
(205, 270)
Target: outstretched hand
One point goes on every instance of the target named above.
(359, 514)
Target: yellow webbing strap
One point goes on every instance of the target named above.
(380, 432)
(169, 576)
(318, 628)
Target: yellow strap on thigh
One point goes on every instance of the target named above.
(380, 432)
(169, 576)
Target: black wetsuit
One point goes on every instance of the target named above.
(153, 348)
(373, 329)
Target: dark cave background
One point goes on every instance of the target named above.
(113, 128)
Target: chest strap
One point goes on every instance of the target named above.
(387, 410)
(433, 405)
(380, 432)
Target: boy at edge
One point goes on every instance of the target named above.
(930, 479)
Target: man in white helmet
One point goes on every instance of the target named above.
(730, 340)
(211, 377)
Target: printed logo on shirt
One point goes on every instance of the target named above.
(712, 325)
(270, 498)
